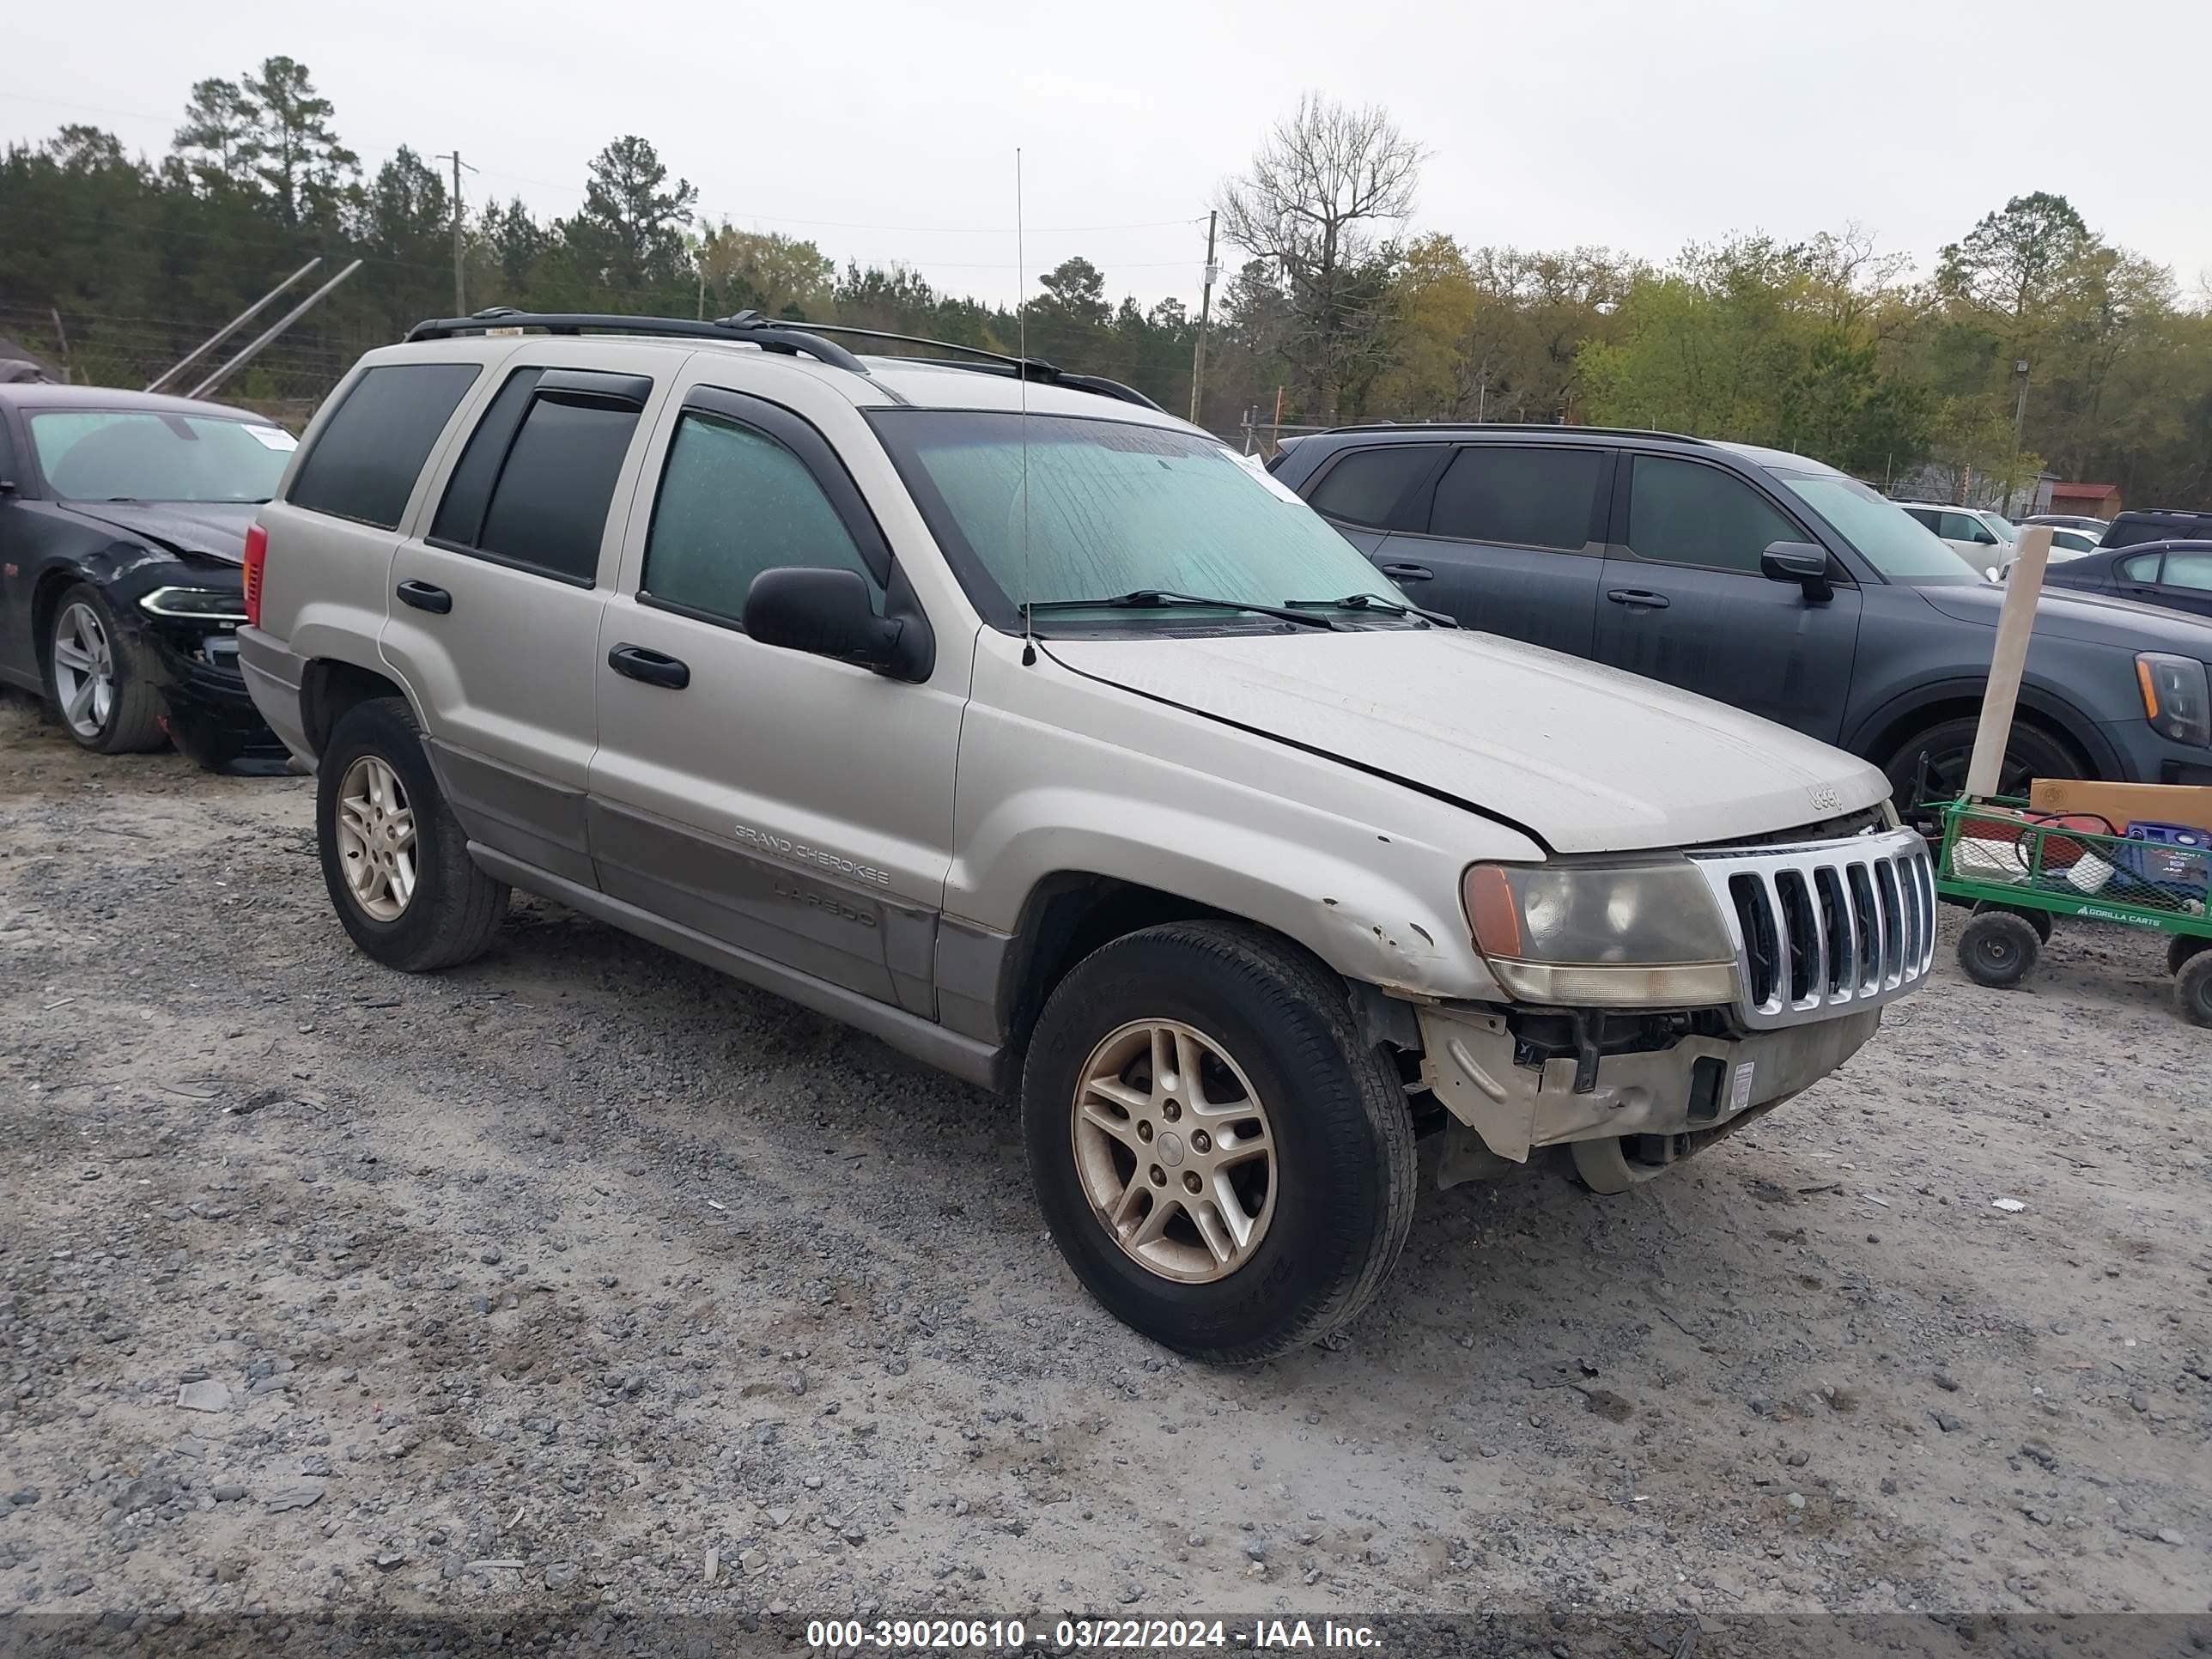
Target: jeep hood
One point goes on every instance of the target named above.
(1589, 758)
(208, 530)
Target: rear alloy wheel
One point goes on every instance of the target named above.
(376, 838)
(98, 679)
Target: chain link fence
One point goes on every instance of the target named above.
(286, 381)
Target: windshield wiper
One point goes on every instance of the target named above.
(1150, 599)
(1371, 602)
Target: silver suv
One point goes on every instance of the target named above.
(1000, 714)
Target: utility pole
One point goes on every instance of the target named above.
(460, 289)
(1205, 314)
(2019, 428)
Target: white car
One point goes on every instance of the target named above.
(1988, 541)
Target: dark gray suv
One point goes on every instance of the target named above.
(1763, 580)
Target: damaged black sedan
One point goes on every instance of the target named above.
(123, 522)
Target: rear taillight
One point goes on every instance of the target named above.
(256, 559)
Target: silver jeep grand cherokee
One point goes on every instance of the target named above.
(1003, 716)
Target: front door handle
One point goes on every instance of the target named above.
(1409, 572)
(423, 597)
(654, 668)
(1638, 598)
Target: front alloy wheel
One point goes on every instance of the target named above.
(1174, 1150)
(84, 672)
(376, 838)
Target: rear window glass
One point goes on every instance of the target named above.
(364, 463)
(1363, 487)
(550, 507)
(1526, 498)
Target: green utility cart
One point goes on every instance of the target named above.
(2021, 869)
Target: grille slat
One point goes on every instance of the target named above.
(1825, 926)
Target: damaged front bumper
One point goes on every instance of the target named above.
(207, 711)
(1517, 1096)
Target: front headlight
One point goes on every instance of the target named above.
(2175, 699)
(1602, 935)
(208, 605)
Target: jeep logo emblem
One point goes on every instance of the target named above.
(1825, 798)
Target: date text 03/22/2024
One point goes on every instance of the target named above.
(1089, 1635)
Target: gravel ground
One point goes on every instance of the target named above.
(583, 1275)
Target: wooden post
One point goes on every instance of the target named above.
(2016, 626)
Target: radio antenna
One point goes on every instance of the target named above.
(1021, 418)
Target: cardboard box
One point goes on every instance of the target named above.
(2122, 803)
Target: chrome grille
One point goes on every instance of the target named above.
(1824, 928)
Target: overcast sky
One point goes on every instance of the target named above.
(1637, 126)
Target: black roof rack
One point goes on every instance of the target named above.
(753, 328)
(747, 326)
(994, 362)
(1520, 426)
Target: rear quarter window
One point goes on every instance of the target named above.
(1365, 486)
(364, 462)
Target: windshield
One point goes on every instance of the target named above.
(1890, 539)
(1114, 507)
(140, 455)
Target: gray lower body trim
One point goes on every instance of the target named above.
(273, 676)
(970, 962)
(527, 818)
(933, 1044)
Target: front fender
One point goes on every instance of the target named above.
(1391, 921)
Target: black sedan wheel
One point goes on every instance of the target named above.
(98, 679)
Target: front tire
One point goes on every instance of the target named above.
(394, 857)
(1226, 1164)
(99, 679)
(2030, 753)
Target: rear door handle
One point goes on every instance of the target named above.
(423, 597)
(1640, 598)
(637, 663)
(1409, 572)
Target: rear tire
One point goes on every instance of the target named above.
(2180, 948)
(395, 859)
(1998, 949)
(99, 681)
(1111, 1124)
(2038, 920)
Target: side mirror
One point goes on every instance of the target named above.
(1800, 562)
(829, 613)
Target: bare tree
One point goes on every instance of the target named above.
(1325, 181)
